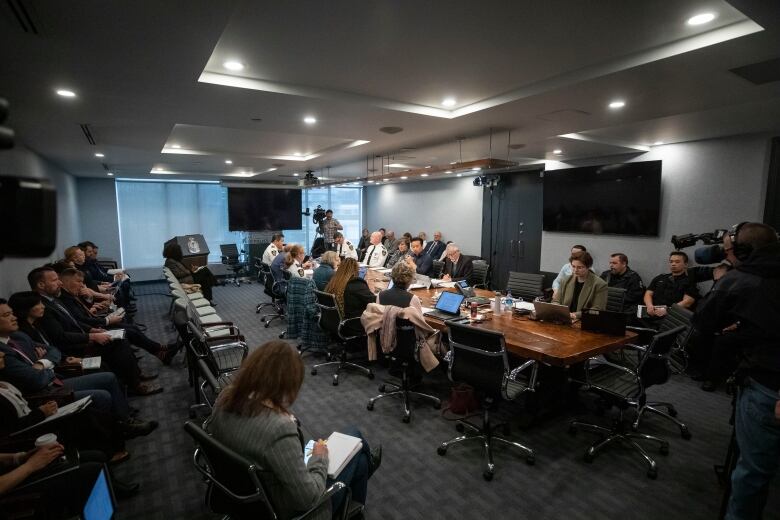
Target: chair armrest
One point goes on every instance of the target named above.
(343, 324)
(610, 364)
(534, 366)
(208, 376)
(634, 328)
(332, 490)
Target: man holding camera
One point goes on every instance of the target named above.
(329, 226)
(745, 305)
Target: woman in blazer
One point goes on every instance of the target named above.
(583, 289)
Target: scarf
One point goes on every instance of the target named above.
(14, 396)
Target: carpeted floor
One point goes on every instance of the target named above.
(414, 481)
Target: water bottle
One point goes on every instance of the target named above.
(509, 302)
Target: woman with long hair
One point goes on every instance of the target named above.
(202, 276)
(329, 264)
(252, 416)
(351, 292)
(293, 261)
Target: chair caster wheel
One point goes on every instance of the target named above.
(686, 434)
(460, 428)
(370, 406)
(588, 457)
(487, 475)
(652, 473)
(257, 311)
(371, 375)
(664, 449)
(314, 371)
(530, 460)
(381, 388)
(672, 412)
(407, 418)
(441, 450)
(335, 381)
(268, 324)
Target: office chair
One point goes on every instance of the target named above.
(526, 285)
(616, 296)
(626, 387)
(676, 316)
(438, 267)
(479, 275)
(277, 290)
(234, 486)
(332, 322)
(478, 357)
(232, 259)
(406, 355)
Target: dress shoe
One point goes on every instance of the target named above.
(375, 460)
(119, 457)
(145, 389)
(148, 377)
(124, 489)
(709, 386)
(132, 428)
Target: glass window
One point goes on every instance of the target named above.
(346, 204)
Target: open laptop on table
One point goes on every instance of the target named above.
(447, 306)
(605, 322)
(420, 282)
(552, 312)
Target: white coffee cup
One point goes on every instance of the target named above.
(45, 440)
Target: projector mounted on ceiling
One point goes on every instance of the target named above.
(309, 180)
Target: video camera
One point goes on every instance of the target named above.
(319, 215)
(711, 253)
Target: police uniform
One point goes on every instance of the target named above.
(270, 253)
(376, 255)
(346, 250)
(296, 270)
(631, 282)
(669, 289)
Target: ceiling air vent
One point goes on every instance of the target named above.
(88, 134)
(761, 72)
(21, 15)
(391, 129)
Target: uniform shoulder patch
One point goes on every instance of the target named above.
(351, 247)
(384, 252)
(273, 252)
(300, 272)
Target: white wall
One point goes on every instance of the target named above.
(99, 220)
(22, 162)
(705, 185)
(452, 206)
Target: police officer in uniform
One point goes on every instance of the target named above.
(376, 254)
(294, 262)
(622, 276)
(675, 287)
(344, 247)
(273, 249)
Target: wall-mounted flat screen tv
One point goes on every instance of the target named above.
(262, 209)
(621, 199)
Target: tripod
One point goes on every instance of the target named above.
(724, 471)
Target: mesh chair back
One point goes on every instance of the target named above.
(677, 316)
(234, 487)
(330, 317)
(229, 253)
(654, 366)
(526, 285)
(405, 340)
(438, 267)
(478, 358)
(615, 298)
(478, 276)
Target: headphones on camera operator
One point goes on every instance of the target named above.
(741, 251)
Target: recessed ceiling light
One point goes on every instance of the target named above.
(175, 146)
(658, 143)
(371, 182)
(424, 175)
(404, 177)
(296, 174)
(309, 120)
(459, 175)
(66, 93)
(618, 103)
(448, 171)
(557, 151)
(700, 19)
(228, 161)
(99, 155)
(448, 102)
(297, 154)
(454, 162)
(233, 65)
(428, 166)
(476, 169)
(110, 174)
(385, 180)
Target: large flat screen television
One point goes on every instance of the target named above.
(263, 209)
(621, 199)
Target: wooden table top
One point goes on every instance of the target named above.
(559, 345)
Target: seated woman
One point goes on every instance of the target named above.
(584, 289)
(329, 263)
(293, 261)
(352, 294)
(402, 275)
(202, 276)
(252, 417)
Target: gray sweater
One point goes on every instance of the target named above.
(271, 440)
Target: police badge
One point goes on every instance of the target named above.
(300, 272)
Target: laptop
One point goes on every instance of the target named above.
(362, 272)
(552, 312)
(100, 503)
(447, 306)
(605, 322)
(420, 282)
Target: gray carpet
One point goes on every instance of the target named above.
(414, 481)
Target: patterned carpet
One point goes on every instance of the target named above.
(414, 481)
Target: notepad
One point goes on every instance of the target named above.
(641, 310)
(341, 449)
(438, 282)
(62, 411)
(116, 334)
(91, 363)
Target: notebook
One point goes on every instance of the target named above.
(100, 503)
(62, 411)
(116, 334)
(341, 449)
(641, 310)
(447, 306)
(91, 363)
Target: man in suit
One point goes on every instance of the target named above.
(64, 331)
(390, 242)
(456, 266)
(419, 259)
(435, 247)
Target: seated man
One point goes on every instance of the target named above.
(435, 247)
(674, 287)
(399, 254)
(390, 242)
(456, 266)
(376, 254)
(421, 261)
(273, 249)
(90, 267)
(344, 247)
(566, 269)
(622, 276)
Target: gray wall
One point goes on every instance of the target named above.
(99, 218)
(705, 185)
(22, 162)
(452, 206)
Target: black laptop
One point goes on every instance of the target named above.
(447, 306)
(605, 322)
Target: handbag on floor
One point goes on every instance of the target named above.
(462, 400)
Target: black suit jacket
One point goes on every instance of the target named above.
(435, 251)
(357, 296)
(461, 271)
(61, 331)
(81, 314)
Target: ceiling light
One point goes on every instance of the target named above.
(385, 180)
(459, 175)
(271, 170)
(557, 151)
(618, 103)
(99, 155)
(175, 146)
(448, 102)
(404, 177)
(233, 65)
(428, 166)
(297, 154)
(296, 174)
(448, 171)
(424, 175)
(476, 169)
(110, 174)
(658, 143)
(396, 165)
(371, 182)
(454, 162)
(66, 93)
(309, 120)
(228, 161)
(700, 19)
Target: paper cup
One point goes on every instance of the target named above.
(45, 440)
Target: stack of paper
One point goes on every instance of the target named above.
(341, 449)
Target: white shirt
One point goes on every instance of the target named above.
(270, 253)
(296, 270)
(347, 250)
(376, 255)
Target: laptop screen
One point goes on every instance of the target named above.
(362, 272)
(449, 302)
(99, 505)
(463, 284)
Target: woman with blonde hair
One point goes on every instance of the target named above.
(293, 261)
(329, 264)
(352, 294)
(402, 276)
(252, 416)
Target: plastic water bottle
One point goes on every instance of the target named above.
(509, 302)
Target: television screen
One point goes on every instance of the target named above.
(623, 199)
(263, 209)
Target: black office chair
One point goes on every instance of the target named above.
(438, 267)
(234, 487)
(277, 290)
(332, 322)
(233, 259)
(616, 296)
(478, 357)
(526, 285)
(625, 387)
(405, 355)
(479, 274)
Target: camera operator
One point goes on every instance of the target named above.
(744, 306)
(329, 226)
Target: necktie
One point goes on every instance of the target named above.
(15, 346)
(370, 255)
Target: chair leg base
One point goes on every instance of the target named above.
(398, 391)
(670, 414)
(342, 365)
